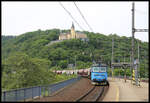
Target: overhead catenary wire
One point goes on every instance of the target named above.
(141, 12)
(83, 16)
(71, 16)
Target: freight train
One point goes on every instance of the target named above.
(80, 72)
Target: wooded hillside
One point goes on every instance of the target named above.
(28, 54)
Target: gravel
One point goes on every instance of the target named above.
(71, 93)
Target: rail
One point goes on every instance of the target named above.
(97, 91)
(84, 95)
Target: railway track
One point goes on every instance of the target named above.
(94, 94)
(83, 88)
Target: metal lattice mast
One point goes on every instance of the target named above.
(134, 66)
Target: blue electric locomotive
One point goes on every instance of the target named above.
(99, 74)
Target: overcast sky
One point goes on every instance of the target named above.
(103, 17)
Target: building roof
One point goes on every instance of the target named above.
(72, 25)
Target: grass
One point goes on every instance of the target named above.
(62, 77)
(59, 78)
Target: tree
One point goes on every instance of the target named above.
(25, 72)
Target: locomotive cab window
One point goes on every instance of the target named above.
(95, 69)
(103, 69)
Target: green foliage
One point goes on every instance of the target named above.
(20, 70)
(28, 59)
(63, 77)
(63, 64)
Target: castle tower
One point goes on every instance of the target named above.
(73, 34)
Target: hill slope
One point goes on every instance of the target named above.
(27, 59)
(98, 47)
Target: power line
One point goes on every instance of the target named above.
(83, 17)
(141, 12)
(71, 15)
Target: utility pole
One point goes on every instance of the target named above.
(75, 62)
(139, 58)
(133, 31)
(112, 59)
(130, 68)
(124, 58)
(134, 67)
(145, 63)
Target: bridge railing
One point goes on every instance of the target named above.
(24, 94)
(21, 94)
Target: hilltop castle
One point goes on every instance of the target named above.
(72, 35)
